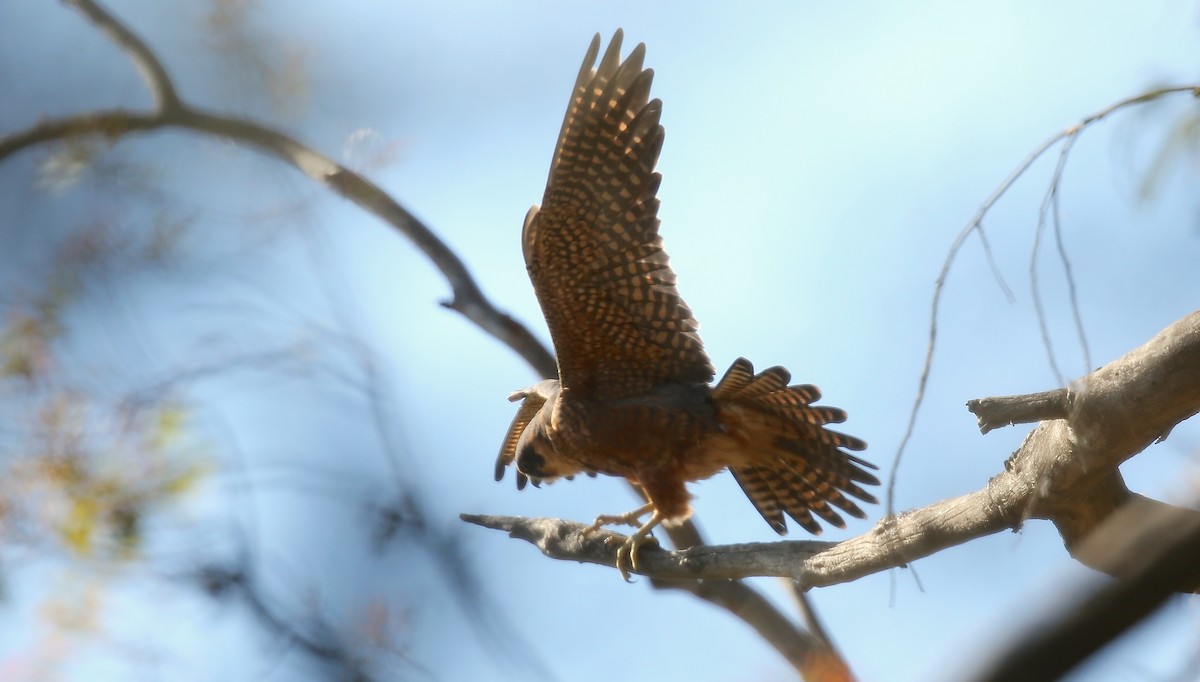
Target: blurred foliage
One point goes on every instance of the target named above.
(85, 474)
(1180, 146)
(25, 343)
(106, 445)
(256, 59)
(365, 150)
(93, 470)
(72, 159)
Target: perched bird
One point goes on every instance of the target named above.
(633, 397)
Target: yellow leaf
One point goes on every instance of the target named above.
(80, 524)
(186, 479)
(171, 421)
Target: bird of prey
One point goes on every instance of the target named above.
(632, 398)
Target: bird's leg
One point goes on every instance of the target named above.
(627, 552)
(632, 518)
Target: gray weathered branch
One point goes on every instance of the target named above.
(1065, 472)
(994, 413)
(1164, 562)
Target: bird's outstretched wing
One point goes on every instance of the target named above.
(593, 250)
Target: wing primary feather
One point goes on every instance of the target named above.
(593, 250)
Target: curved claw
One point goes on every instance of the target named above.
(627, 553)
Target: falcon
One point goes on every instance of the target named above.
(633, 396)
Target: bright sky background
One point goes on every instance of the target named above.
(819, 160)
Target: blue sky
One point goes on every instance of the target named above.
(819, 160)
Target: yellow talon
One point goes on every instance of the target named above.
(627, 553)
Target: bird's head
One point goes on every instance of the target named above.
(530, 442)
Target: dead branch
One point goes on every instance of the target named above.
(810, 656)
(1064, 472)
(993, 413)
(1164, 562)
(975, 226)
(892, 543)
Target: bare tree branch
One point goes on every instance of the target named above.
(993, 413)
(976, 226)
(813, 623)
(1065, 472)
(157, 80)
(468, 298)
(807, 654)
(1131, 538)
(1170, 543)
(235, 582)
(893, 542)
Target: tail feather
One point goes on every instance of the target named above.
(758, 488)
(740, 382)
(825, 490)
(796, 466)
(841, 463)
(739, 375)
(793, 499)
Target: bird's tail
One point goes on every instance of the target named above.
(794, 464)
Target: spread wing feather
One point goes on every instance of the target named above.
(593, 250)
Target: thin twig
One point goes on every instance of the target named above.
(222, 582)
(812, 621)
(801, 649)
(1051, 199)
(1068, 272)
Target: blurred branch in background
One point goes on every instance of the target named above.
(405, 512)
(1154, 551)
(94, 488)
